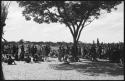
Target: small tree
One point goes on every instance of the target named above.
(21, 41)
(76, 15)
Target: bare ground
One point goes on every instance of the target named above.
(54, 70)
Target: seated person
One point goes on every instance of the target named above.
(41, 58)
(27, 59)
(11, 61)
(6, 59)
(35, 59)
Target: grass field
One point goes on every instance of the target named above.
(54, 70)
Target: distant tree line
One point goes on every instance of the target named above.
(58, 43)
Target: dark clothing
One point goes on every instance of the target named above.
(15, 50)
(35, 59)
(22, 53)
(47, 49)
(10, 61)
(28, 59)
(93, 53)
(16, 57)
(33, 50)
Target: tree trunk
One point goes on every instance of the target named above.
(1, 32)
(75, 50)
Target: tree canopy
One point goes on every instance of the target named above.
(74, 14)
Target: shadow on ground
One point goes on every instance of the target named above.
(93, 68)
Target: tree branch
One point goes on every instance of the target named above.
(69, 28)
(83, 24)
(69, 18)
(73, 26)
(8, 4)
(53, 13)
(4, 39)
(65, 21)
(78, 26)
(82, 19)
(59, 12)
(90, 21)
(80, 30)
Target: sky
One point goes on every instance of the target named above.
(108, 28)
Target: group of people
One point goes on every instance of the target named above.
(24, 52)
(65, 53)
(113, 52)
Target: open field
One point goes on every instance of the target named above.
(54, 70)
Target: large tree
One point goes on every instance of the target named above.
(4, 13)
(74, 14)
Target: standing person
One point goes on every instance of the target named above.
(93, 53)
(38, 50)
(14, 50)
(84, 52)
(72, 52)
(22, 53)
(66, 54)
(121, 51)
(99, 51)
(47, 49)
(116, 55)
(29, 49)
(2, 48)
(40, 53)
(34, 50)
(63, 53)
(36, 58)
(43, 52)
(5, 49)
(19, 52)
(9, 49)
(60, 52)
